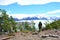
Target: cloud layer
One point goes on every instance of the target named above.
(47, 14)
(26, 2)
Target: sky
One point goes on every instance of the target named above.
(25, 8)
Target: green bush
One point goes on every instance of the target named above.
(30, 26)
(25, 31)
(54, 25)
(7, 24)
(11, 34)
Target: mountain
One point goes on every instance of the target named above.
(37, 18)
(54, 18)
(16, 19)
(34, 18)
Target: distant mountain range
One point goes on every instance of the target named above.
(37, 18)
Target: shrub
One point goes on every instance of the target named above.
(25, 31)
(54, 25)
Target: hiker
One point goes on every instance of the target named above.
(39, 26)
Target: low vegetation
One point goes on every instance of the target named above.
(53, 25)
(8, 24)
(27, 26)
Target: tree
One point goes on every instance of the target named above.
(13, 24)
(26, 24)
(0, 22)
(33, 26)
(21, 27)
(7, 23)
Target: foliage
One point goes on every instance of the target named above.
(11, 34)
(33, 26)
(27, 27)
(7, 24)
(25, 31)
(13, 24)
(54, 25)
(20, 28)
(30, 26)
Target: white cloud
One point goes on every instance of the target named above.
(53, 12)
(29, 2)
(19, 16)
(47, 14)
(7, 2)
(26, 2)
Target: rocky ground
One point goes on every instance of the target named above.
(43, 35)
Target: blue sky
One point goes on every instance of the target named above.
(24, 8)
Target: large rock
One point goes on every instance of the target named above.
(44, 36)
(55, 36)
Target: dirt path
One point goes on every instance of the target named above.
(29, 36)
